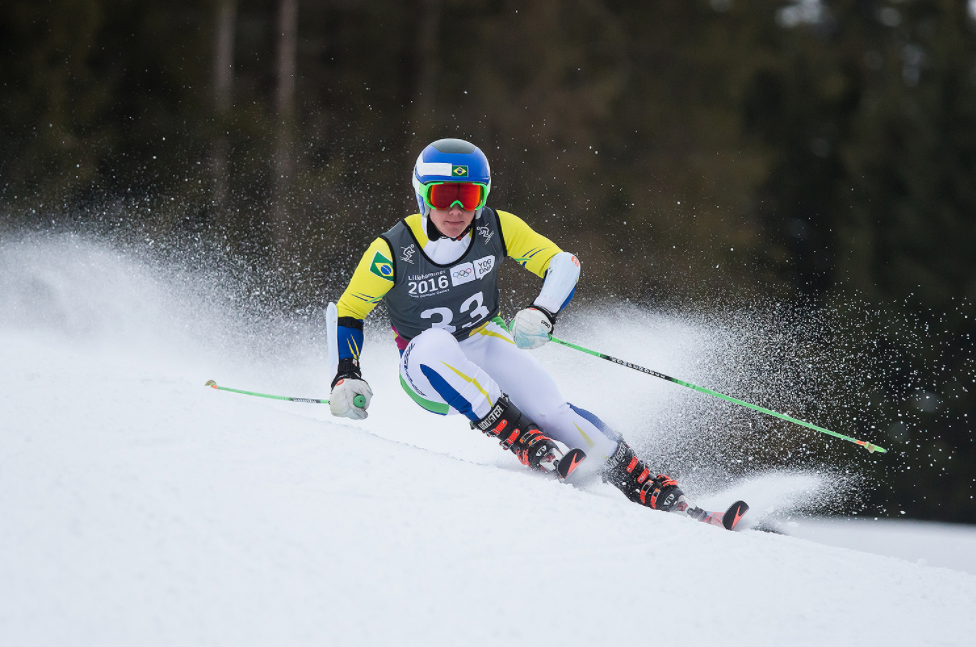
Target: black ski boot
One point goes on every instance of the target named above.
(627, 473)
(534, 449)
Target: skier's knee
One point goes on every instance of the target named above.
(433, 337)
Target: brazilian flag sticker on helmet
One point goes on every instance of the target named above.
(459, 171)
(381, 266)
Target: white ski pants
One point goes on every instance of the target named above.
(447, 377)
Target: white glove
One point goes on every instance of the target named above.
(342, 401)
(532, 327)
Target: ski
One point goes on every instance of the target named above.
(728, 519)
(568, 463)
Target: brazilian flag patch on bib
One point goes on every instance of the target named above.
(381, 266)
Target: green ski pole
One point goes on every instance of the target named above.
(866, 445)
(359, 401)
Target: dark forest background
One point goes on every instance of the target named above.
(822, 152)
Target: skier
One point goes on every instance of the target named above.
(437, 272)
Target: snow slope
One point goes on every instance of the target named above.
(926, 543)
(139, 507)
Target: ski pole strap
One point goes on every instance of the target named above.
(782, 416)
(359, 401)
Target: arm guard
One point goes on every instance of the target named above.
(560, 283)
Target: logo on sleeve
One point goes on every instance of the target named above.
(463, 273)
(381, 266)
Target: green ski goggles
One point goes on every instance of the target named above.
(444, 195)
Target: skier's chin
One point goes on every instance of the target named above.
(451, 223)
(453, 230)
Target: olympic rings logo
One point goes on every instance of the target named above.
(460, 274)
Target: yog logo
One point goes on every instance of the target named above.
(466, 272)
(483, 266)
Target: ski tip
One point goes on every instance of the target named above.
(211, 383)
(569, 462)
(735, 512)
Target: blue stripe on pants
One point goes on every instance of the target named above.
(447, 392)
(596, 422)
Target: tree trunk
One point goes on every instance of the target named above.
(223, 85)
(422, 123)
(284, 163)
